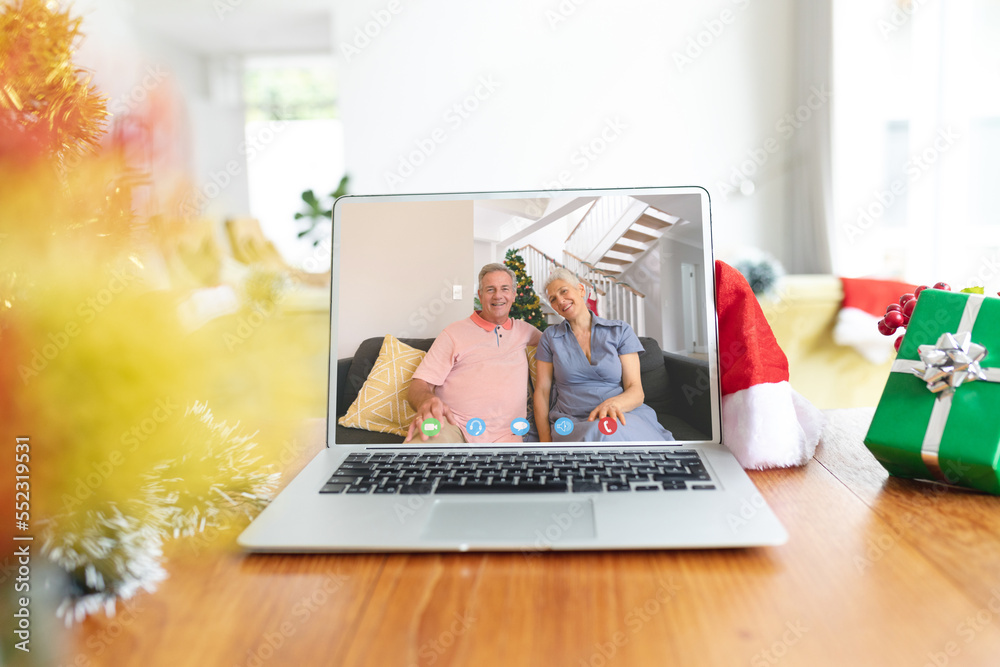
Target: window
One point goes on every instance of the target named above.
(916, 140)
(294, 143)
(290, 88)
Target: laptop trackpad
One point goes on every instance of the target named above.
(542, 523)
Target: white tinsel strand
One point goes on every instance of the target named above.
(222, 475)
(108, 555)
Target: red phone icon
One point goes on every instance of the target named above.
(607, 425)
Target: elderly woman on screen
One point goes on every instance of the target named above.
(593, 363)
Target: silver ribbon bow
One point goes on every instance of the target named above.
(954, 360)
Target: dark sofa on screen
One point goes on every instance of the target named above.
(675, 386)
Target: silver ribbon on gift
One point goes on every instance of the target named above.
(954, 360)
(945, 367)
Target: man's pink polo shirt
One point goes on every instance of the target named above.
(480, 369)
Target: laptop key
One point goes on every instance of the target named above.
(538, 487)
(359, 488)
(587, 487)
(421, 488)
(683, 455)
(333, 488)
(619, 486)
(471, 487)
(672, 477)
(342, 479)
(523, 487)
(353, 469)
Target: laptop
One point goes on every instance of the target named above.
(407, 266)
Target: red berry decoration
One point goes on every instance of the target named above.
(897, 315)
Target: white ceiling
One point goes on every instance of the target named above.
(238, 26)
(499, 219)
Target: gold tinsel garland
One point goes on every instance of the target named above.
(46, 102)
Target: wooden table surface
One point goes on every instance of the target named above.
(877, 571)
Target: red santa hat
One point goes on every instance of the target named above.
(765, 422)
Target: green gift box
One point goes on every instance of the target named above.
(939, 415)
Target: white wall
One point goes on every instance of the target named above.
(398, 264)
(485, 253)
(218, 125)
(551, 239)
(673, 254)
(194, 102)
(523, 94)
(539, 88)
(644, 276)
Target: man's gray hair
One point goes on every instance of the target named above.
(561, 273)
(496, 266)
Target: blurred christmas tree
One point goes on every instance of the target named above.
(527, 306)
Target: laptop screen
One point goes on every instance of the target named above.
(604, 302)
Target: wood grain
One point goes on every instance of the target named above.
(798, 602)
(957, 529)
(876, 573)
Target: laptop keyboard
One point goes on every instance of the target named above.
(543, 471)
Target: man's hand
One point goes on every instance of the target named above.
(432, 407)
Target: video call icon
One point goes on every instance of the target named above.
(431, 427)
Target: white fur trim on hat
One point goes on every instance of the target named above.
(770, 425)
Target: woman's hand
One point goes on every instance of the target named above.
(612, 407)
(631, 396)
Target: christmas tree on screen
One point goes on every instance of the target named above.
(527, 306)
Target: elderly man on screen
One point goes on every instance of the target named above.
(476, 369)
